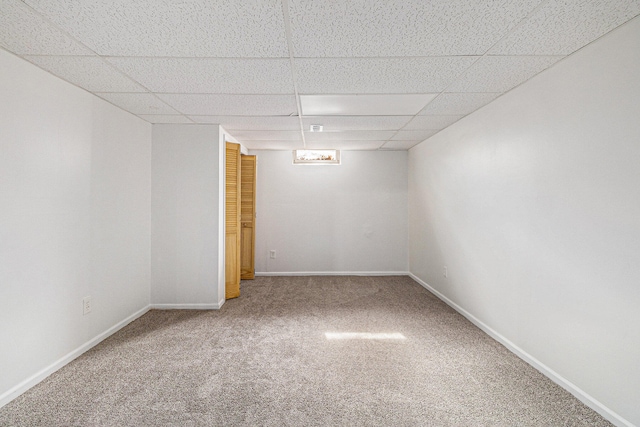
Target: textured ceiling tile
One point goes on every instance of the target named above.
(403, 28)
(273, 145)
(414, 135)
(378, 75)
(164, 118)
(88, 72)
(232, 105)
(458, 103)
(349, 135)
(345, 145)
(560, 27)
(209, 75)
(138, 103)
(251, 122)
(333, 123)
(431, 122)
(364, 105)
(501, 73)
(25, 32)
(267, 135)
(172, 28)
(400, 145)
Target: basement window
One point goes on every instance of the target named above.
(316, 157)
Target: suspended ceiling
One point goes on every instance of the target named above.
(376, 74)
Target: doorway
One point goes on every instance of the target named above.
(240, 214)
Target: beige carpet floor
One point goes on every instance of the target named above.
(265, 360)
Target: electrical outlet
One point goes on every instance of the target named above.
(272, 254)
(86, 305)
(444, 271)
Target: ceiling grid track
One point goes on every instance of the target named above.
(357, 67)
(287, 29)
(478, 58)
(104, 61)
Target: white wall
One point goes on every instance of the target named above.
(332, 218)
(533, 204)
(184, 216)
(74, 219)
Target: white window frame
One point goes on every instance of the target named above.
(335, 161)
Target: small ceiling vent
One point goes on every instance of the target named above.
(315, 128)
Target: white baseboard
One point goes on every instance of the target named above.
(544, 369)
(332, 273)
(214, 306)
(25, 385)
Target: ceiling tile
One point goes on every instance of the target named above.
(252, 122)
(378, 75)
(333, 123)
(364, 105)
(501, 73)
(164, 118)
(458, 103)
(209, 75)
(414, 135)
(273, 145)
(431, 122)
(409, 28)
(138, 103)
(267, 135)
(88, 72)
(232, 105)
(345, 145)
(25, 32)
(349, 135)
(561, 27)
(400, 145)
(172, 28)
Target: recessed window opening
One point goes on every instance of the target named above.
(316, 157)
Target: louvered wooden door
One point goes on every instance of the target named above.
(248, 217)
(232, 219)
